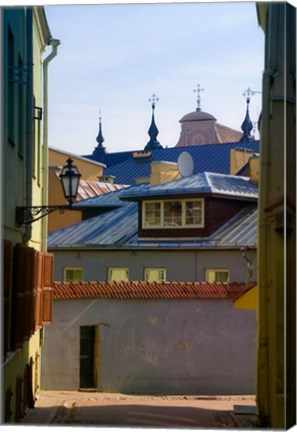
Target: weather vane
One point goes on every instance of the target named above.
(198, 91)
(153, 100)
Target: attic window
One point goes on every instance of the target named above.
(173, 214)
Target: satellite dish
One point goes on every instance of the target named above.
(185, 164)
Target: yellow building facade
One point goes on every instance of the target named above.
(27, 268)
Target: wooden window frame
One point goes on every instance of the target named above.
(183, 214)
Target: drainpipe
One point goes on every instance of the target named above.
(249, 267)
(29, 118)
(54, 44)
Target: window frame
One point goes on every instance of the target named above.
(110, 269)
(183, 214)
(147, 269)
(72, 269)
(216, 270)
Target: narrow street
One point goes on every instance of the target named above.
(107, 409)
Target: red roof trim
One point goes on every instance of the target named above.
(147, 290)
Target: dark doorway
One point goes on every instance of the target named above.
(87, 357)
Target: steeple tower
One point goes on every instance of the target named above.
(247, 125)
(153, 130)
(99, 151)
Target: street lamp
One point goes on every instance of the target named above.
(70, 180)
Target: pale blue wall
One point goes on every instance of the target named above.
(180, 265)
(155, 346)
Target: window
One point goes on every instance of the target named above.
(173, 214)
(155, 274)
(118, 274)
(217, 275)
(153, 213)
(73, 274)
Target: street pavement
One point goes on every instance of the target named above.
(58, 408)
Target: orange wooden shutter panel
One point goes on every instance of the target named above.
(47, 289)
(38, 295)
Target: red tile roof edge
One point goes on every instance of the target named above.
(147, 290)
(238, 295)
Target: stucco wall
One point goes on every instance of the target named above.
(155, 346)
(180, 265)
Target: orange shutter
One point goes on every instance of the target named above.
(29, 278)
(33, 285)
(47, 289)
(38, 293)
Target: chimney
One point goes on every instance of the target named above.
(163, 172)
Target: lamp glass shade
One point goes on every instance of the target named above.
(70, 180)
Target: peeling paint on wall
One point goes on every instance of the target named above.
(187, 346)
(153, 320)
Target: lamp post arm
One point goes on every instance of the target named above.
(27, 215)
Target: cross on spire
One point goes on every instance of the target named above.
(153, 100)
(248, 93)
(198, 91)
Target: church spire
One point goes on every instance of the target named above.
(99, 151)
(100, 138)
(153, 130)
(247, 125)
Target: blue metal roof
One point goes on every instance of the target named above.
(110, 199)
(118, 229)
(209, 157)
(200, 183)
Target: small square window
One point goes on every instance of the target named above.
(118, 274)
(73, 274)
(155, 274)
(217, 275)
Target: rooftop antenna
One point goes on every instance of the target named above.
(198, 91)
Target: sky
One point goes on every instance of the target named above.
(114, 57)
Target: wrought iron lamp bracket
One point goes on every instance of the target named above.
(27, 215)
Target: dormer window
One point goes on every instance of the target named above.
(173, 214)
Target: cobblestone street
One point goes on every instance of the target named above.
(107, 409)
